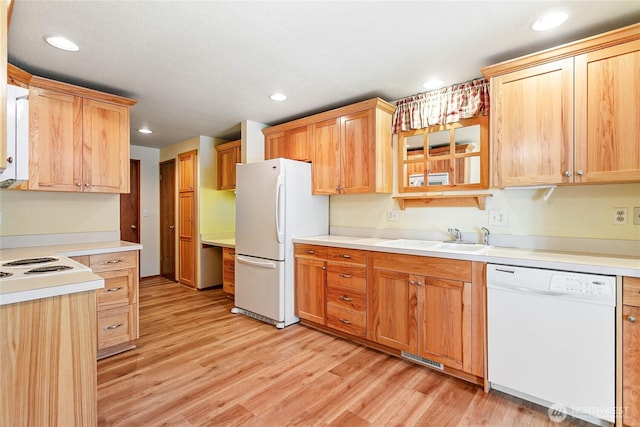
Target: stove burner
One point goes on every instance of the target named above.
(5, 274)
(29, 261)
(48, 269)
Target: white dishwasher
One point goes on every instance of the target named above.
(551, 339)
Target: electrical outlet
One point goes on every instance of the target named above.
(498, 217)
(392, 215)
(619, 216)
(636, 216)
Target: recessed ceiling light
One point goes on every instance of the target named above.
(145, 130)
(62, 43)
(549, 21)
(278, 97)
(433, 84)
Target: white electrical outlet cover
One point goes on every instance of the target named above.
(620, 216)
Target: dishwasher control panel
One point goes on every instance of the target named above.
(582, 284)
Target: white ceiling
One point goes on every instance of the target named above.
(200, 68)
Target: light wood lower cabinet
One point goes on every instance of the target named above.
(433, 309)
(229, 270)
(48, 357)
(631, 352)
(117, 303)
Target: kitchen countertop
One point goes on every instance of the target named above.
(570, 261)
(27, 289)
(224, 241)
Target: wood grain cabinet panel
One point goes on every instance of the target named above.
(310, 289)
(229, 155)
(187, 170)
(631, 352)
(229, 270)
(77, 143)
(592, 86)
(275, 146)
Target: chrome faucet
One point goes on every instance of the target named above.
(456, 233)
(485, 235)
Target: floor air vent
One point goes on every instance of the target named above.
(238, 310)
(423, 361)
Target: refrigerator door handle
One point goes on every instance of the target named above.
(265, 264)
(279, 208)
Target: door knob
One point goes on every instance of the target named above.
(172, 227)
(133, 227)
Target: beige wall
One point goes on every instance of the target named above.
(40, 212)
(578, 211)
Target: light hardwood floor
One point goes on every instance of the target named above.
(198, 364)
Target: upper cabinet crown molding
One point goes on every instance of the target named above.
(568, 50)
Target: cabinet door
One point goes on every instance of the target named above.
(311, 276)
(607, 110)
(227, 160)
(274, 146)
(630, 364)
(187, 171)
(186, 247)
(299, 144)
(105, 155)
(229, 270)
(357, 156)
(444, 324)
(326, 157)
(55, 151)
(393, 310)
(532, 125)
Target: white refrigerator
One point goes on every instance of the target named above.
(274, 204)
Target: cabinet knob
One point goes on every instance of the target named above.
(345, 298)
(86, 184)
(579, 172)
(346, 276)
(631, 319)
(310, 252)
(411, 282)
(345, 256)
(567, 173)
(113, 289)
(345, 321)
(106, 328)
(324, 268)
(78, 184)
(9, 160)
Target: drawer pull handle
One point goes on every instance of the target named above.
(632, 319)
(345, 256)
(345, 321)
(113, 261)
(311, 252)
(344, 298)
(113, 289)
(346, 276)
(106, 328)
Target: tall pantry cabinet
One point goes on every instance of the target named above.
(187, 196)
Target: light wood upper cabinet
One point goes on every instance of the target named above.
(537, 101)
(187, 168)
(228, 155)
(607, 114)
(79, 139)
(349, 147)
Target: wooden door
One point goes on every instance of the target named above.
(187, 171)
(326, 156)
(357, 155)
(105, 155)
(393, 310)
(274, 146)
(311, 277)
(55, 142)
(532, 125)
(630, 364)
(130, 206)
(607, 114)
(186, 249)
(299, 144)
(167, 219)
(444, 318)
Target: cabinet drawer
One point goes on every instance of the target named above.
(117, 289)
(349, 321)
(311, 251)
(348, 276)
(351, 256)
(631, 291)
(112, 261)
(346, 298)
(116, 326)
